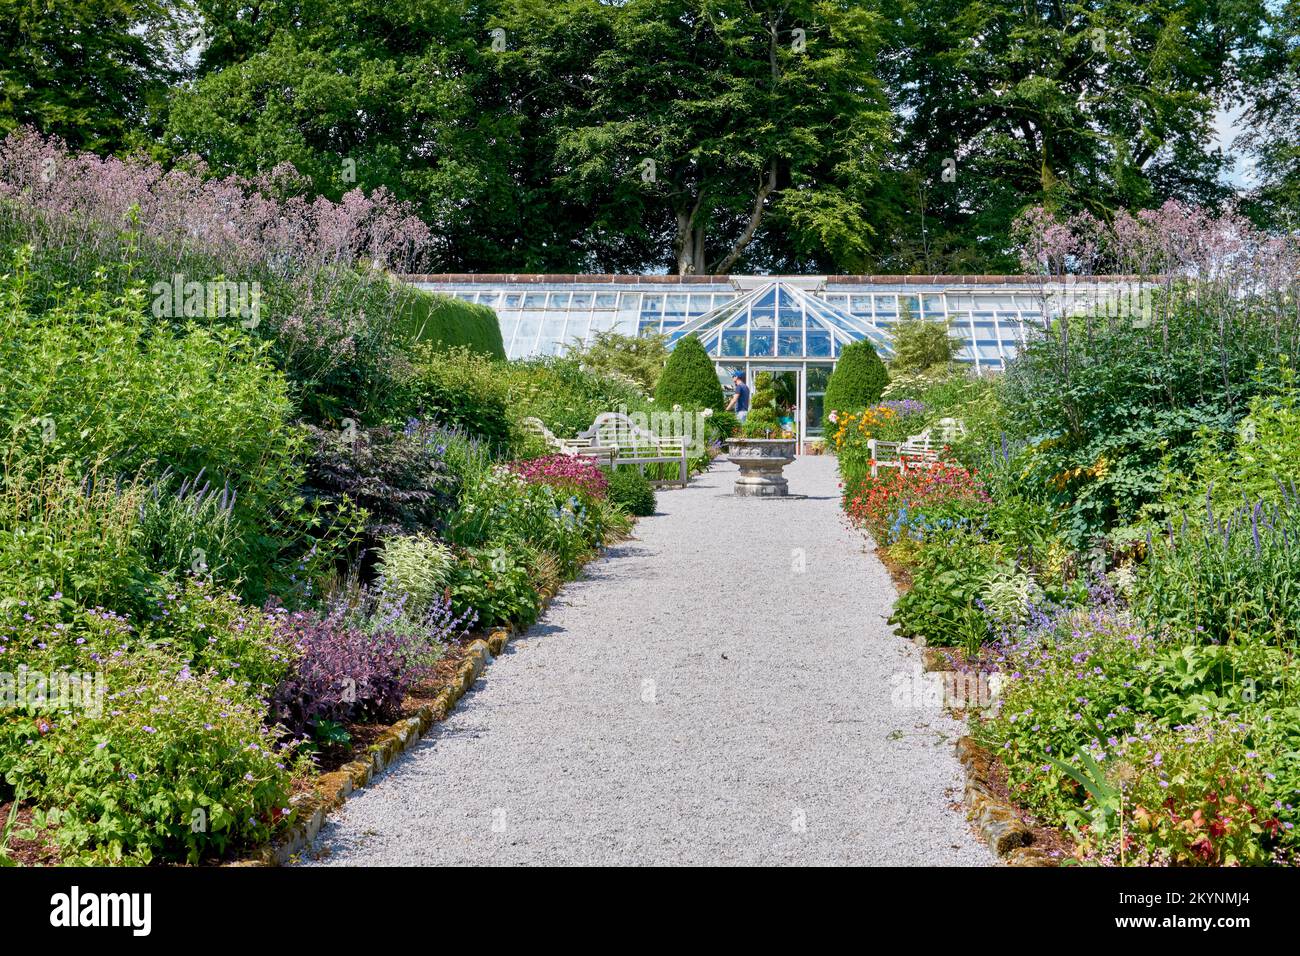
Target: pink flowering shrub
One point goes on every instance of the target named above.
(564, 472)
(321, 269)
(1222, 257)
(84, 198)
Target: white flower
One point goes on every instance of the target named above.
(677, 408)
(708, 413)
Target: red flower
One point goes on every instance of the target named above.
(1204, 848)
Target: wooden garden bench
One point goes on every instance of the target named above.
(569, 446)
(638, 446)
(916, 451)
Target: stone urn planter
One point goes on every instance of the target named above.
(761, 461)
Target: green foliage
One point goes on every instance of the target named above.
(1231, 803)
(1264, 456)
(93, 72)
(1113, 411)
(291, 86)
(631, 491)
(1233, 577)
(190, 403)
(209, 631)
(564, 396)
(1041, 107)
(635, 359)
(496, 584)
(859, 378)
(920, 344)
(462, 389)
(416, 566)
(952, 572)
(1182, 744)
(722, 425)
(839, 183)
(180, 769)
(689, 379)
(762, 420)
(69, 535)
(445, 323)
(191, 529)
(499, 509)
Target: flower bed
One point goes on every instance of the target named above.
(1126, 558)
(259, 543)
(565, 472)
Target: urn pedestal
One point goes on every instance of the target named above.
(761, 461)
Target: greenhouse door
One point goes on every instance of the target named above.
(816, 376)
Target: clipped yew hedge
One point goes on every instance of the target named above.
(689, 378)
(859, 378)
(446, 322)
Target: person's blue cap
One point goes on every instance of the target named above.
(738, 374)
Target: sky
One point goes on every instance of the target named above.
(1227, 124)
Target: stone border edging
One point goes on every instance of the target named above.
(996, 820)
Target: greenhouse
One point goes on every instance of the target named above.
(792, 326)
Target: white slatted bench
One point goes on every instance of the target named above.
(637, 446)
(569, 446)
(916, 451)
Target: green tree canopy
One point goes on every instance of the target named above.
(530, 148)
(921, 343)
(692, 136)
(95, 73)
(1091, 105)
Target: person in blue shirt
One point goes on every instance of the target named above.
(740, 398)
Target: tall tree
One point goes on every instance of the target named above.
(742, 129)
(524, 129)
(1271, 97)
(93, 72)
(1088, 105)
(399, 94)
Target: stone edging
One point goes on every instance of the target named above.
(997, 821)
(333, 789)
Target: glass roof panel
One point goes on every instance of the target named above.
(771, 320)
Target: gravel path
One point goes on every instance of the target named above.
(715, 691)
